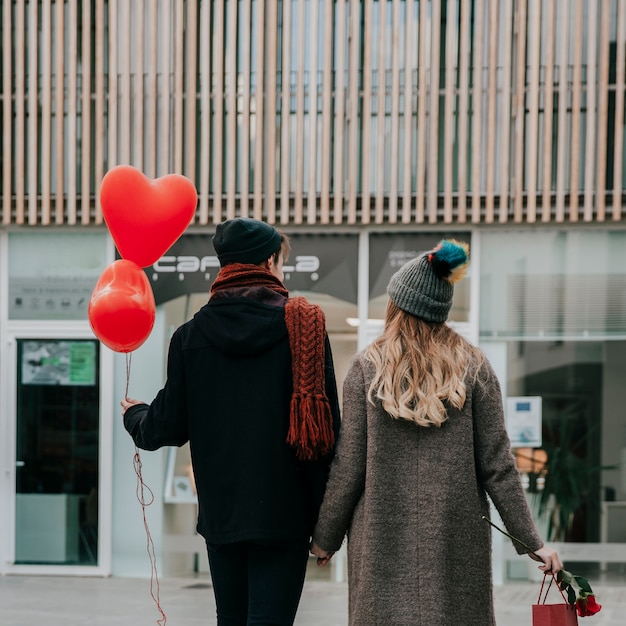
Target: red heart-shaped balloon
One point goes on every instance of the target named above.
(146, 216)
(122, 309)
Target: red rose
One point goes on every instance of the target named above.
(587, 606)
(592, 606)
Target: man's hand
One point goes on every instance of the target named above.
(128, 402)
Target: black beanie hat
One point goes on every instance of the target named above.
(245, 240)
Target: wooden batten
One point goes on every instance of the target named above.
(349, 113)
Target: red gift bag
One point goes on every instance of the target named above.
(553, 614)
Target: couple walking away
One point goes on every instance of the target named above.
(404, 474)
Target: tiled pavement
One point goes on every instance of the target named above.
(188, 601)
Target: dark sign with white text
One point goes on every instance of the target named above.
(317, 263)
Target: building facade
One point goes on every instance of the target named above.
(367, 130)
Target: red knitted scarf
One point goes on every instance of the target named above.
(310, 421)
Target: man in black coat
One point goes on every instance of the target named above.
(251, 386)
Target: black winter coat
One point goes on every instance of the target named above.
(228, 393)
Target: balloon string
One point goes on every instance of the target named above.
(140, 490)
(128, 360)
(154, 576)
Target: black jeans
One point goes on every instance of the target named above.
(258, 583)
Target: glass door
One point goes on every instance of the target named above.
(57, 441)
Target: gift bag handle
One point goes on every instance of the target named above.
(552, 579)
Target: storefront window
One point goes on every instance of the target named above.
(52, 275)
(575, 478)
(552, 304)
(553, 284)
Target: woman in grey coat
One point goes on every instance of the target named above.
(423, 442)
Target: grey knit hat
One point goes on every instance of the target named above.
(245, 240)
(424, 286)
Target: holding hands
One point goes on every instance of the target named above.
(323, 556)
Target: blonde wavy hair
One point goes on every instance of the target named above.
(420, 366)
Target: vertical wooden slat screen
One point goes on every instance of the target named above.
(298, 156)
(450, 106)
(590, 96)
(123, 103)
(563, 126)
(463, 110)
(338, 122)
(575, 149)
(619, 111)
(548, 115)
(477, 108)
(19, 160)
(366, 113)
(519, 110)
(46, 110)
(112, 96)
(138, 88)
(311, 205)
(190, 64)
(217, 81)
(32, 114)
(603, 110)
(270, 116)
(409, 105)
(85, 111)
(403, 111)
(433, 114)
(151, 88)
(204, 173)
(59, 117)
(422, 72)
(7, 112)
(244, 167)
(72, 51)
(178, 84)
(101, 156)
(285, 117)
(492, 102)
(506, 18)
(353, 109)
(380, 116)
(327, 82)
(532, 102)
(231, 110)
(164, 142)
(259, 111)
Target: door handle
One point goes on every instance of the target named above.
(19, 463)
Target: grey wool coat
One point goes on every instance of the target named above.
(411, 499)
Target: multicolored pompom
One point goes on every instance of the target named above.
(450, 260)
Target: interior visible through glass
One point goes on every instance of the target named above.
(57, 446)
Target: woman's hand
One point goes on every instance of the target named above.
(323, 556)
(551, 561)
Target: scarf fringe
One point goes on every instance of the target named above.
(310, 429)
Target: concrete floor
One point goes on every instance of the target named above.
(188, 601)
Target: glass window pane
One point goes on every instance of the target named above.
(57, 447)
(52, 275)
(553, 284)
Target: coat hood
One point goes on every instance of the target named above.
(243, 325)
